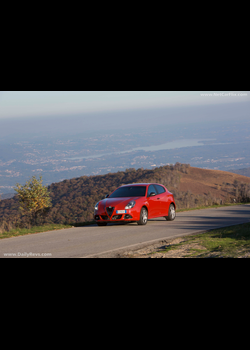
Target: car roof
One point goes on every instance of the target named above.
(140, 184)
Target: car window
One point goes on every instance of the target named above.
(151, 189)
(129, 191)
(160, 189)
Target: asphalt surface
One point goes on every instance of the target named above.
(94, 241)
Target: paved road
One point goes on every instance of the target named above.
(91, 241)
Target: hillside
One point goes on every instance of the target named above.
(220, 184)
(73, 200)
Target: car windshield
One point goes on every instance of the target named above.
(133, 191)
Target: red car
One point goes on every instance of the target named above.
(136, 202)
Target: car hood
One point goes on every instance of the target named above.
(113, 202)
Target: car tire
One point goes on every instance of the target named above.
(143, 217)
(171, 213)
(102, 224)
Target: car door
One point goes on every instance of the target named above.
(162, 201)
(152, 201)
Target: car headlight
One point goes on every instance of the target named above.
(130, 205)
(96, 206)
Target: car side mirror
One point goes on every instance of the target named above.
(107, 195)
(152, 194)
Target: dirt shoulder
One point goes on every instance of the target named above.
(164, 249)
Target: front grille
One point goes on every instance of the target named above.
(110, 211)
(116, 217)
(104, 217)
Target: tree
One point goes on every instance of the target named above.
(34, 198)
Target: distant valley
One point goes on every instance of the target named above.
(224, 146)
(244, 172)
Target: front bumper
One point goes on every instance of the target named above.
(104, 216)
(113, 218)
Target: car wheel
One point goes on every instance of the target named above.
(143, 217)
(171, 213)
(102, 224)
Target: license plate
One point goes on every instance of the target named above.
(121, 211)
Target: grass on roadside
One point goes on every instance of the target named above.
(35, 229)
(228, 242)
(38, 229)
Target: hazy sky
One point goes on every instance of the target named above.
(15, 104)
